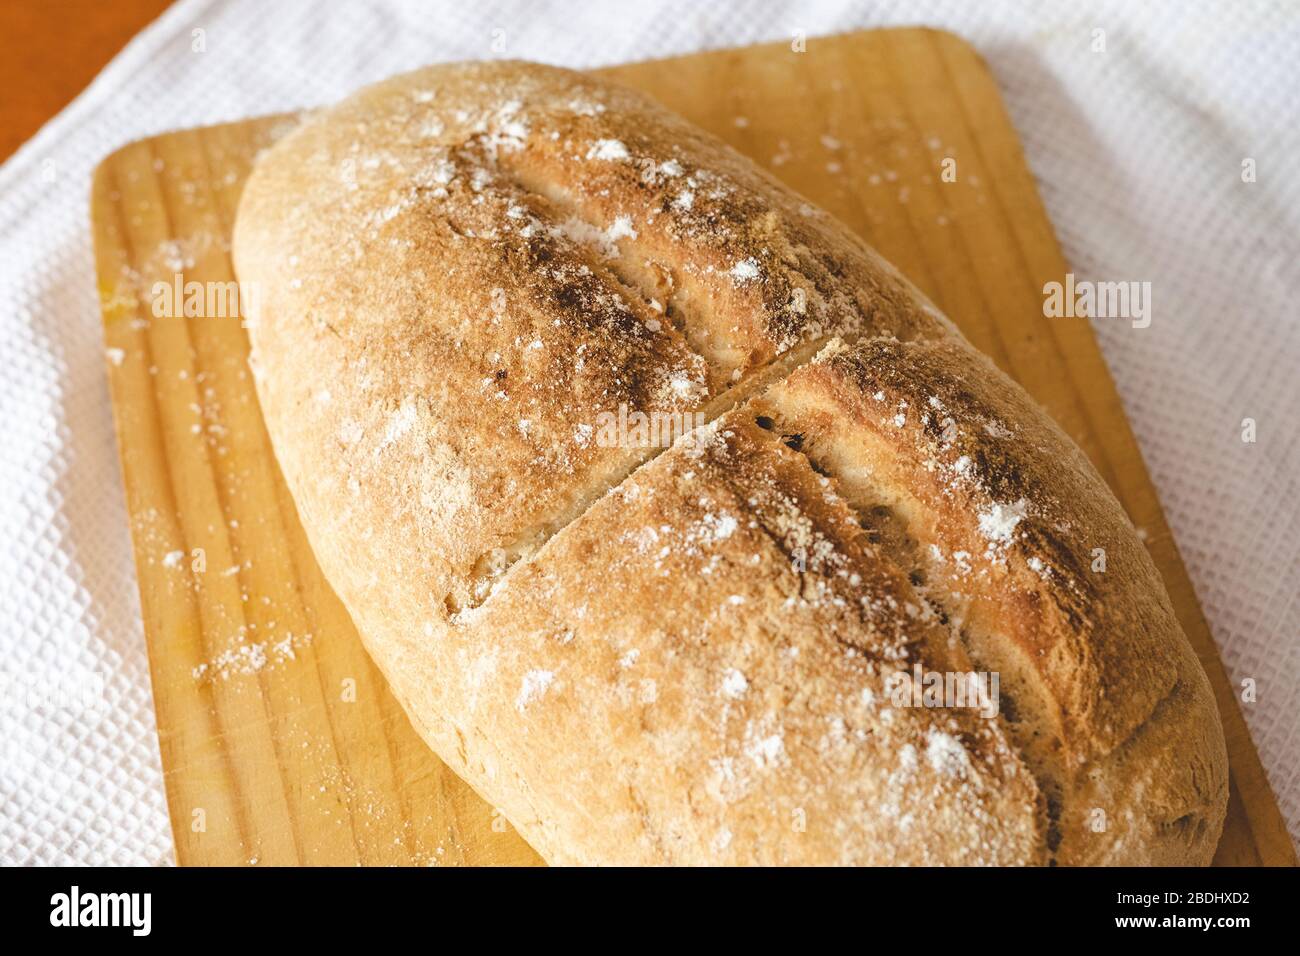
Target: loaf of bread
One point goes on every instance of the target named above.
(660, 498)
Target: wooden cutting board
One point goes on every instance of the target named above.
(280, 742)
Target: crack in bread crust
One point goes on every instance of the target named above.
(732, 398)
(787, 698)
(878, 519)
(1016, 580)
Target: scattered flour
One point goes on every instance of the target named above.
(998, 523)
(746, 270)
(533, 686)
(734, 684)
(610, 150)
(945, 754)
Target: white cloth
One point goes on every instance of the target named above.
(1138, 153)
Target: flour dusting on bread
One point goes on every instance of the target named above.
(689, 650)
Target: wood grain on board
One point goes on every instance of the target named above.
(280, 741)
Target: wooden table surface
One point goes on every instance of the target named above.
(51, 49)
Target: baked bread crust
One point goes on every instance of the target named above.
(686, 652)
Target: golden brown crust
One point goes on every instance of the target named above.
(645, 655)
(1016, 541)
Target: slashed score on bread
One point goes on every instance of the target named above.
(478, 282)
